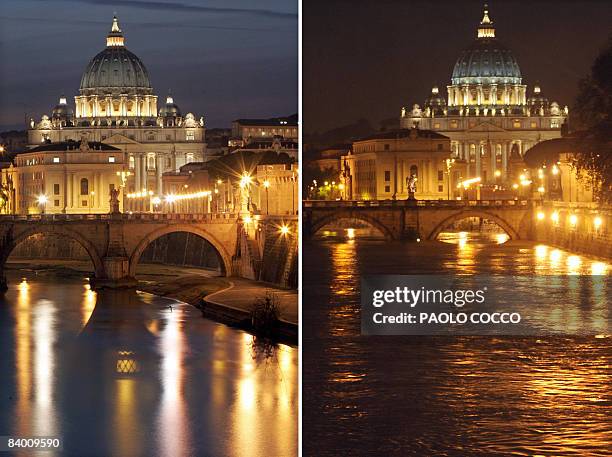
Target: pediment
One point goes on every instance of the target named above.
(117, 138)
(486, 127)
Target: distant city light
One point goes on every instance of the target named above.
(284, 229)
(541, 215)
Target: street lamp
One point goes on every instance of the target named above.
(42, 201)
(266, 185)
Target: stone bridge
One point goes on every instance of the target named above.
(424, 219)
(115, 242)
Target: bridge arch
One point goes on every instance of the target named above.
(224, 257)
(42, 229)
(506, 227)
(348, 214)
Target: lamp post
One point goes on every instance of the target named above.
(292, 193)
(266, 185)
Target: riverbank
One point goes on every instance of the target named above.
(225, 300)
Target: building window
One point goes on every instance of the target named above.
(554, 124)
(440, 175)
(55, 189)
(151, 161)
(440, 146)
(55, 202)
(56, 160)
(168, 137)
(472, 152)
(440, 188)
(386, 147)
(387, 188)
(516, 124)
(436, 125)
(132, 162)
(534, 124)
(190, 135)
(168, 162)
(84, 186)
(387, 175)
(111, 159)
(189, 157)
(454, 124)
(498, 150)
(151, 137)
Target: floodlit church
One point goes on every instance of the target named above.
(488, 112)
(118, 107)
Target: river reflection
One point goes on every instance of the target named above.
(447, 396)
(129, 374)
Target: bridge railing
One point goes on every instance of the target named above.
(412, 203)
(149, 217)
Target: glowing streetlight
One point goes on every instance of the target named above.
(597, 222)
(497, 173)
(555, 217)
(42, 201)
(555, 170)
(541, 216)
(245, 180)
(247, 219)
(573, 219)
(284, 229)
(266, 185)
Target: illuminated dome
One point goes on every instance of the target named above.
(62, 110)
(170, 109)
(115, 70)
(486, 60)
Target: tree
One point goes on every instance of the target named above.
(594, 115)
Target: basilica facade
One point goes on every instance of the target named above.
(117, 106)
(489, 114)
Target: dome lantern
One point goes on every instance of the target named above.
(486, 29)
(115, 37)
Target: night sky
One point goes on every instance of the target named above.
(222, 59)
(367, 59)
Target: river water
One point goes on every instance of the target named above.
(132, 374)
(446, 396)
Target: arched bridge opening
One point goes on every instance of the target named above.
(46, 245)
(182, 246)
(349, 225)
(483, 225)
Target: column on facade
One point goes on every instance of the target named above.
(143, 177)
(158, 173)
(478, 166)
(76, 191)
(505, 160)
(137, 172)
(493, 159)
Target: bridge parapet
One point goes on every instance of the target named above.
(411, 203)
(424, 219)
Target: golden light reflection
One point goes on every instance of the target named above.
(501, 238)
(88, 304)
(174, 437)
(541, 251)
(573, 264)
(23, 320)
(350, 233)
(44, 366)
(126, 418)
(599, 268)
(555, 257)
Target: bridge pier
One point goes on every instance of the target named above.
(116, 274)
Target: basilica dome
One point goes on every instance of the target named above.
(115, 70)
(486, 60)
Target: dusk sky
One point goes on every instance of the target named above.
(222, 59)
(367, 59)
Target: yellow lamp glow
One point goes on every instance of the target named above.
(573, 219)
(284, 229)
(555, 217)
(597, 222)
(541, 216)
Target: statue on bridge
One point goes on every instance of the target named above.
(411, 185)
(114, 201)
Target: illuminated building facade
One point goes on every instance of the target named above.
(488, 112)
(68, 177)
(379, 167)
(117, 106)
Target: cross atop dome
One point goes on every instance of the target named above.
(115, 37)
(486, 29)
